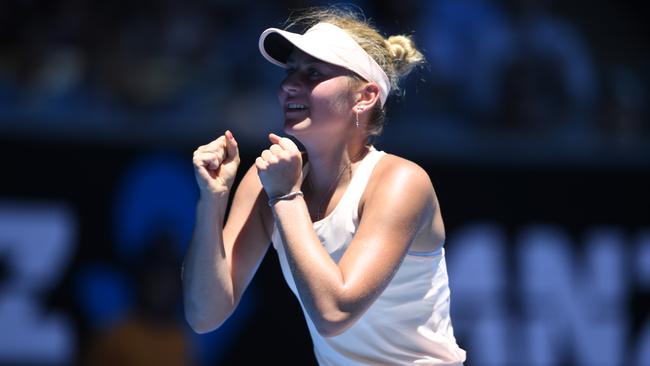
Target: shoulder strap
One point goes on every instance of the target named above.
(360, 181)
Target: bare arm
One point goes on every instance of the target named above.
(220, 262)
(334, 294)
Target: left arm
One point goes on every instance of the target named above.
(336, 295)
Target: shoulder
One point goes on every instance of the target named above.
(400, 173)
(396, 179)
(399, 192)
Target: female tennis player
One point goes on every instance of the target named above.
(358, 232)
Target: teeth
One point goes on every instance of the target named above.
(296, 106)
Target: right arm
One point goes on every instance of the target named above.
(221, 262)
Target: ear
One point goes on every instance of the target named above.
(367, 98)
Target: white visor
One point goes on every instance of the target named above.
(327, 43)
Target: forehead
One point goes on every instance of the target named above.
(298, 56)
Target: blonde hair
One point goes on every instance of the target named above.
(396, 55)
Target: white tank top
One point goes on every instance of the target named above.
(409, 322)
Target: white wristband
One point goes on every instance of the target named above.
(287, 196)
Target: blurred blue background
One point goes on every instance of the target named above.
(531, 118)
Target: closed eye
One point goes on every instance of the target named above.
(314, 73)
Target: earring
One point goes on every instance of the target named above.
(356, 115)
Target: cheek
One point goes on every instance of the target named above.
(332, 99)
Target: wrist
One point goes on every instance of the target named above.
(279, 191)
(283, 197)
(214, 194)
(213, 203)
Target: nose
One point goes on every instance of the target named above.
(291, 84)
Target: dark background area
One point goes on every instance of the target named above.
(530, 115)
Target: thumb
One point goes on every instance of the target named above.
(232, 150)
(274, 138)
(284, 142)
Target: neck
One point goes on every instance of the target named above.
(328, 162)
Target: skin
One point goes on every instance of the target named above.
(398, 210)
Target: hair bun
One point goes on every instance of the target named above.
(404, 54)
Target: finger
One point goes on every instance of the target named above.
(207, 159)
(269, 157)
(232, 148)
(204, 155)
(261, 164)
(206, 164)
(276, 149)
(221, 151)
(204, 174)
(285, 155)
(274, 138)
(285, 143)
(216, 144)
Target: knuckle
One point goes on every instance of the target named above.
(260, 164)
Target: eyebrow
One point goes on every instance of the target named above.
(310, 61)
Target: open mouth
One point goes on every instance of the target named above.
(295, 107)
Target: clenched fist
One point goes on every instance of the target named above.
(215, 166)
(280, 167)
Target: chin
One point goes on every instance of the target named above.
(295, 127)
